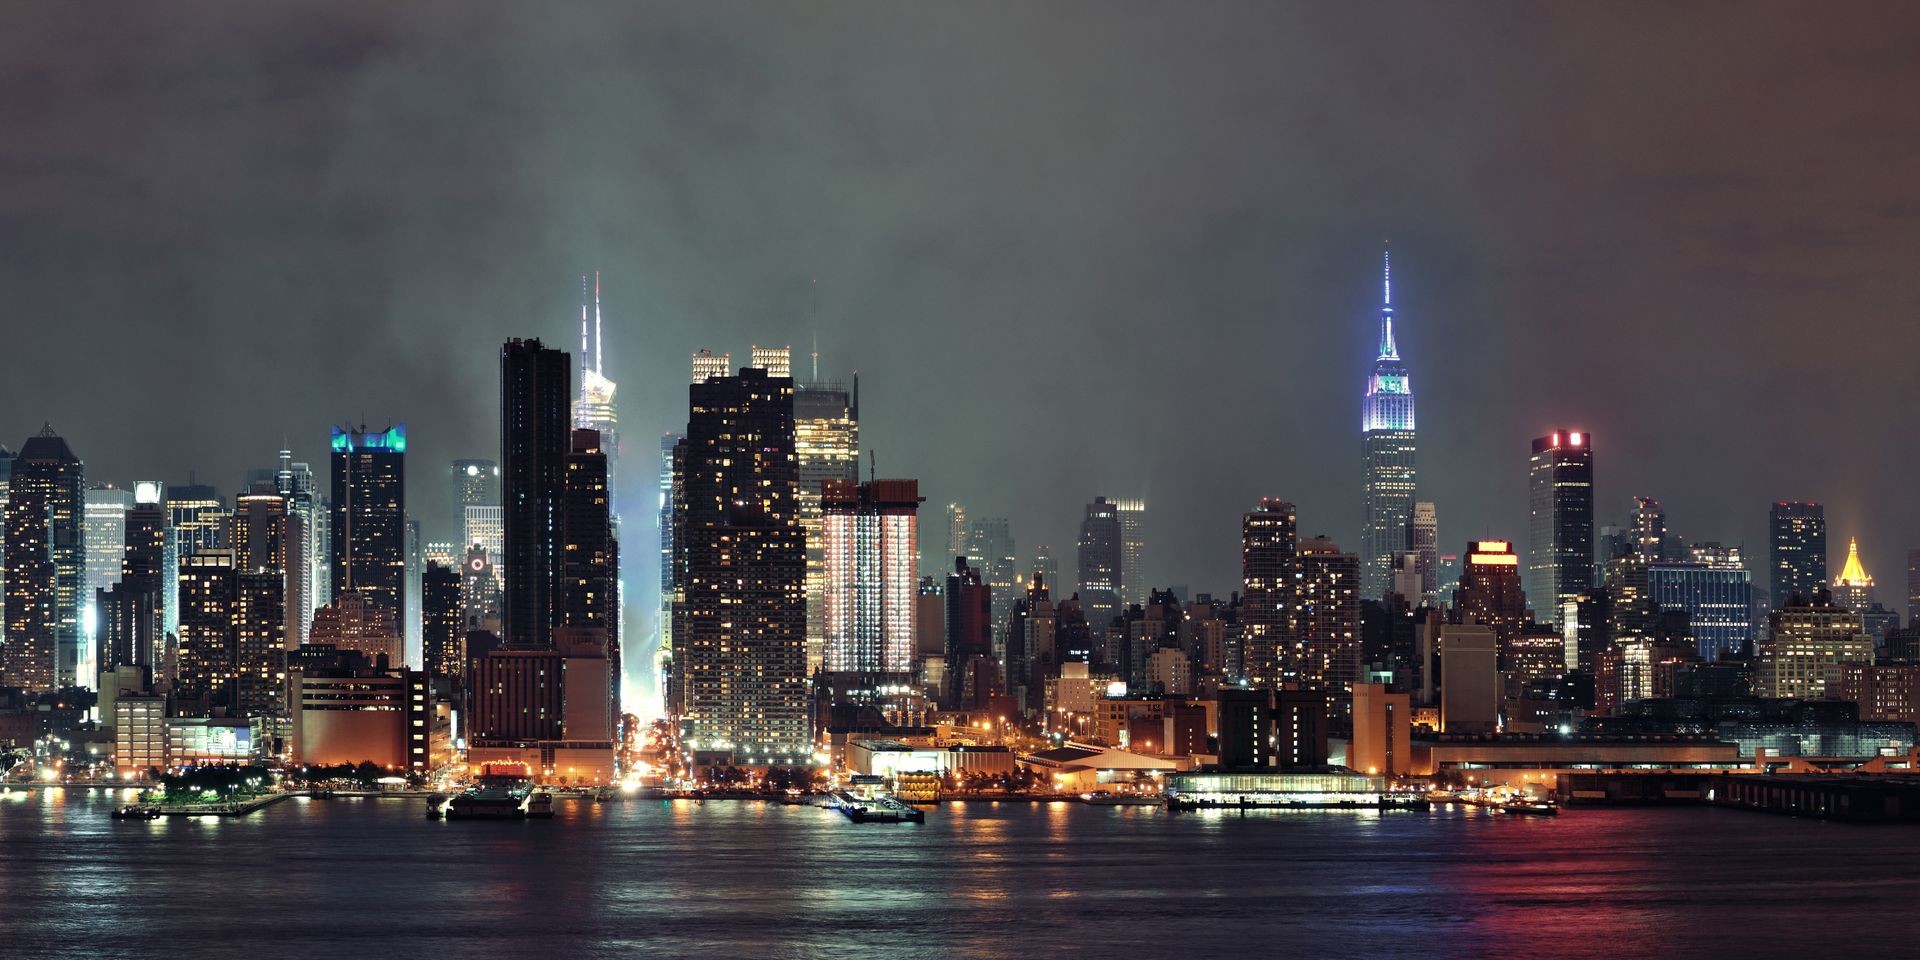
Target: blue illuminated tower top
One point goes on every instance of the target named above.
(1389, 401)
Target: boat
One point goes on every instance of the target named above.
(540, 806)
(1102, 798)
(876, 809)
(134, 811)
(1530, 806)
(503, 791)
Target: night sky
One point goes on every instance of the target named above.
(1071, 249)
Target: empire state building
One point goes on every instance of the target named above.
(1386, 426)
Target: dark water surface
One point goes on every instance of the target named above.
(375, 878)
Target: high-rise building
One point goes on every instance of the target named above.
(444, 631)
(370, 516)
(826, 445)
(1326, 652)
(1717, 595)
(871, 545)
(1560, 523)
(1853, 589)
(663, 613)
(476, 483)
(209, 663)
(1797, 550)
(706, 365)
(1269, 547)
(596, 409)
(1387, 442)
(1424, 541)
(1045, 567)
(104, 535)
(258, 530)
(45, 566)
(196, 521)
(776, 361)
(1490, 592)
(536, 429)
(1807, 639)
(1101, 549)
(1133, 550)
(971, 672)
(590, 555)
(739, 629)
(132, 624)
(991, 550)
(309, 546)
(1913, 588)
(956, 532)
(1649, 536)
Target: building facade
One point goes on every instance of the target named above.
(1560, 529)
(1388, 444)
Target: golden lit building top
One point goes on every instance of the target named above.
(1853, 574)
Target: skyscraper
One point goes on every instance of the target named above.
(871, 547)
(1716, 591)
(1269, 547)
(444, 639)
(1560, 522)
(44, 562)
(739, 629)
(1133, 550)
(1649, 533)
(370, 516)
(1913, 588)
(1797, 550)
(196, 521)
(1424, 541)
(596, 410)
(1101, 546)
(826, 444)
(536, 429)
(1387, 442)
(1853, 589)
(991, 550)
(475, 483)
(956, 532)
(1490, 591)
(590, 556)
(104, 532)
(1326, 618)
(309, 546)
(971, 673)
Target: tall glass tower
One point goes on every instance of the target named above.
(1559, 522)
(1386, 430)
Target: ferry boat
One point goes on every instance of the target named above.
(134, 811)
(1530, 806)
(876, 809)
(503, 791)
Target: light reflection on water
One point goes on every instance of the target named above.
(326, 878)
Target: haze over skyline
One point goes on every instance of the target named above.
(1069, 252)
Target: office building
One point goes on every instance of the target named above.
(596, 408)
(971, 671)
(990, 548)
(1717, 598)
(103, 532)
(444, 630)
(1326, 619)
(1560, 552)
(739, 629)
(44, 560)
(536, 431)
(1382, 731)
(1269, 546)
(826, 445)
(1101, 554)
(871, 549)
(1133, 550)
(349, 712)
(357, 621)
(1490, 592)
(1470, 687)
(1807, 640)
(1423, 541)
(1388, 445)
(309, 544)
(369, 555)
(1797, 550)
(1853, 588)
(956, 532)
(590, 559)
(475, 483)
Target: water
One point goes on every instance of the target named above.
(357, 878)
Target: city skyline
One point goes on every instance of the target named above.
(1269, 296)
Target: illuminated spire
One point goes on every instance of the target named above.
(583, 327)
(1853, 574)
(597, 368)
(1387, 349)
